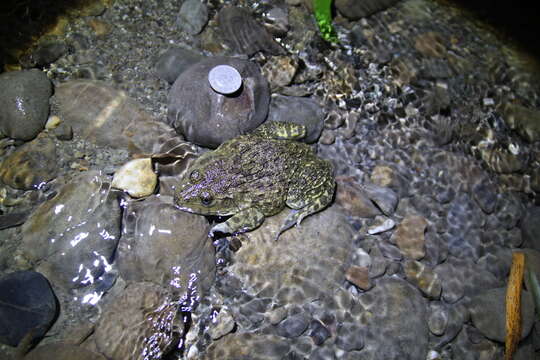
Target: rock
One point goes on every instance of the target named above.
(161, 243)
(318, 332)
(350, 337)
(248, 346)
(27, 306)
(384, 197)
(438, 318)
(525, 121)
(409, 236)
(59, 351)
(31, 165)
(279, 71)
(175, 61)
(509, 210)
(488, 311)
(222, 325)
(136, 177)
(530, 227)
(353, 200)
(485, 194)
(354, 10)
(45, 53)
(193, 16)
(380, 225)
(359, 276)
(244, 34)
(107, 117)
(424, 278)
(72, 237)
(293, 326)
(276, 20)
(386, 338)
(24, 103)
(208, 118)
(298, 110)
(460, 277)
(141, 320)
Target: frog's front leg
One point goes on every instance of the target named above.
(245, 220)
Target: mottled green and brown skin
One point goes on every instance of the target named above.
(255, 176)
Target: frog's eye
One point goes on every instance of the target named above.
(195, 176)
(206, 199)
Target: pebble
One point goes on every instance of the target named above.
(488, 311)
(350, 337)
(380, 225)
(222, 325)
(359, 276)
(353, 200)
(318, 332)
(438, 318)
(279, 71)
(27, 306)
(409, 236)
(424, 278)
(61, 351)
(298, 110)
(193, 16)
(136, 177)
(524, 120)
(293, 326)
(24, 101)
(384, 197)
(355, 10)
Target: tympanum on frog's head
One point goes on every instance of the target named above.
(256, 175)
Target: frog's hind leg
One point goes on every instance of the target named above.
(245, 220)
(280, 130)
(309, 196)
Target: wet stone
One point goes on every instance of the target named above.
(27, 304)
(248, 346)
(221, 325)
(141, 319)
(359, 276)
(488, 311)
(279, 71)
(354, 10)
(530, 227)
(298, 110)
(349, 337)
(293, 326)
(179, 251)
(485, 195)
(24, 102)
(73, 236)
(384, 197)
(409, 236)
(381, 224)
(438, 318)
(193, 16)
(31, 165)
(318, 332)
(424, 278)
(175, 61)
(509, 210)
(353, 200)
(61, 351)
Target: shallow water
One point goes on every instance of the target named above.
(429, 118)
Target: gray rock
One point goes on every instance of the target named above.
(488, 311)
(161, 244)
(208, 118)
(530, 228)
(424, 278)
(409, 236)
(350, 337)
(222, 325)
(193, 16)
(456, 315)
(353, 200)
(248, 346)
(27, 306)
(73, 236)
(244, 34)
(485, 194)
(384, 197)
(24, 101)
(355, 10)
(298, 110)
(509, 210)
(386, 338)
(293, 326)
(318, 332)
(175, 61)
(438, 318)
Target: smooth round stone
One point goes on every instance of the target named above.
(225, 79)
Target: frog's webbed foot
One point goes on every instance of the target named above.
(242, 221)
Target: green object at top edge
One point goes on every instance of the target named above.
(323, 15)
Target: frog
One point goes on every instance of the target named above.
(255, 176)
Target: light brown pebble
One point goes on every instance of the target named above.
(359, 276)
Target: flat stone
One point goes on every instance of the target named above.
(380, 225)
(221, 325)
(27, 304)
(193, 16)
(359, 276)
(438, 318)
(353, 200)
(409, 236)
(488, 311)
(293, 326)
(424, 278)
(384, 197)
(136, 177)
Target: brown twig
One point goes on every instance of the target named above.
(513, 304)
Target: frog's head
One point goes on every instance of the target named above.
(205, 190)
